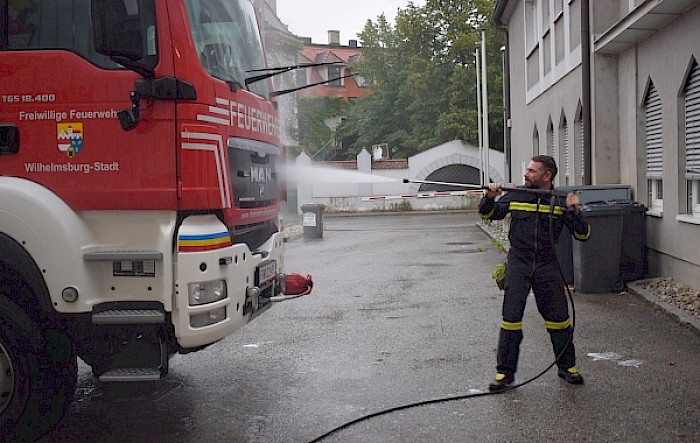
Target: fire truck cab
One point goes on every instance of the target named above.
(140, 191)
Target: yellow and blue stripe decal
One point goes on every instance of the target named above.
(203, 242)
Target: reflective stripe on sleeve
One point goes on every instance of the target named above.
(489, 215)
(585, 236)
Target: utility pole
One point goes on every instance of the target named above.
(479, 121)
(485, 113)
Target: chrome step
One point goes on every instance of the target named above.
(116, 255)
(128, 316)
(131, 375)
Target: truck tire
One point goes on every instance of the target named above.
(38, 374)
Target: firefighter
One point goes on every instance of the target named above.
(532, 264)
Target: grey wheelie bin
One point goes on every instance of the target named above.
(312, 220)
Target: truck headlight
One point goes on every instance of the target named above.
(207, 292)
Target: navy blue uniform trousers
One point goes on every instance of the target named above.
(543, 277)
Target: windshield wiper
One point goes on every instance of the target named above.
(287, 91)
(281, 70)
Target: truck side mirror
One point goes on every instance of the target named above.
(117, 28)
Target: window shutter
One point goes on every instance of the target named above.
(692, 124)
(583, 148)
(567, 153)
(652, 124)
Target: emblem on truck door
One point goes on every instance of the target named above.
(70, 138)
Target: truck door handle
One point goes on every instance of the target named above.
(9, 139)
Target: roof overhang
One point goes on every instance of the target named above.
(499, 18)
(644, 21)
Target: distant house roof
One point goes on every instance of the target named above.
(323, 53)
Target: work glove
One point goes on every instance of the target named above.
(499, 274)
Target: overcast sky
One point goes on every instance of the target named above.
(314, 18)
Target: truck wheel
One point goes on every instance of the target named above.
(38, 375)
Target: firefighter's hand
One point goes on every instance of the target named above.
(573, 202)
(494, 190)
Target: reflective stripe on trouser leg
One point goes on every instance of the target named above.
(508, 350)
(559, 338)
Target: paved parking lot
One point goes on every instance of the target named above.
(404, 311)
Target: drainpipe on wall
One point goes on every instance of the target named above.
(506, 105)
(586, 91)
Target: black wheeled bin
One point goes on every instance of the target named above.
(615, 253)
(586, 194)
(597, 260)
(312, 220)
(633, 259)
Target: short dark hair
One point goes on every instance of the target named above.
(548, 164)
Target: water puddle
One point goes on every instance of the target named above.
(257, 345)
(617, 358)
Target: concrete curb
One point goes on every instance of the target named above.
(682, 316)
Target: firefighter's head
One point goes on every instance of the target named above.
(540, 172)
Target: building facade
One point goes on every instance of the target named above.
(282, 49)
(612, 90)
(338, 76)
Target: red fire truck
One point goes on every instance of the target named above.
(140, 192)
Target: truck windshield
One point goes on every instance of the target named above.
(227, 38)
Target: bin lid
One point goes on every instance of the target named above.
(628, 205)
(602, 208)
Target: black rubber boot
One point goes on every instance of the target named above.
(560, 339)
(508, 351)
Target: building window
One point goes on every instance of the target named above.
(552, 148)
(558, 8)
(654, 149)
(302, 79)
(565, 165)
(536, 142)
(582, 142)
(692, 141)
(531, 30)
(361, 81)
(544, 8)
(574, 24)
(334, 75)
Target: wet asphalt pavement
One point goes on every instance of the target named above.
(404, 310)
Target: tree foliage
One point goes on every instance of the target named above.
(423, 75)
(318, 118)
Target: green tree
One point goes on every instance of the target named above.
(423, 74)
